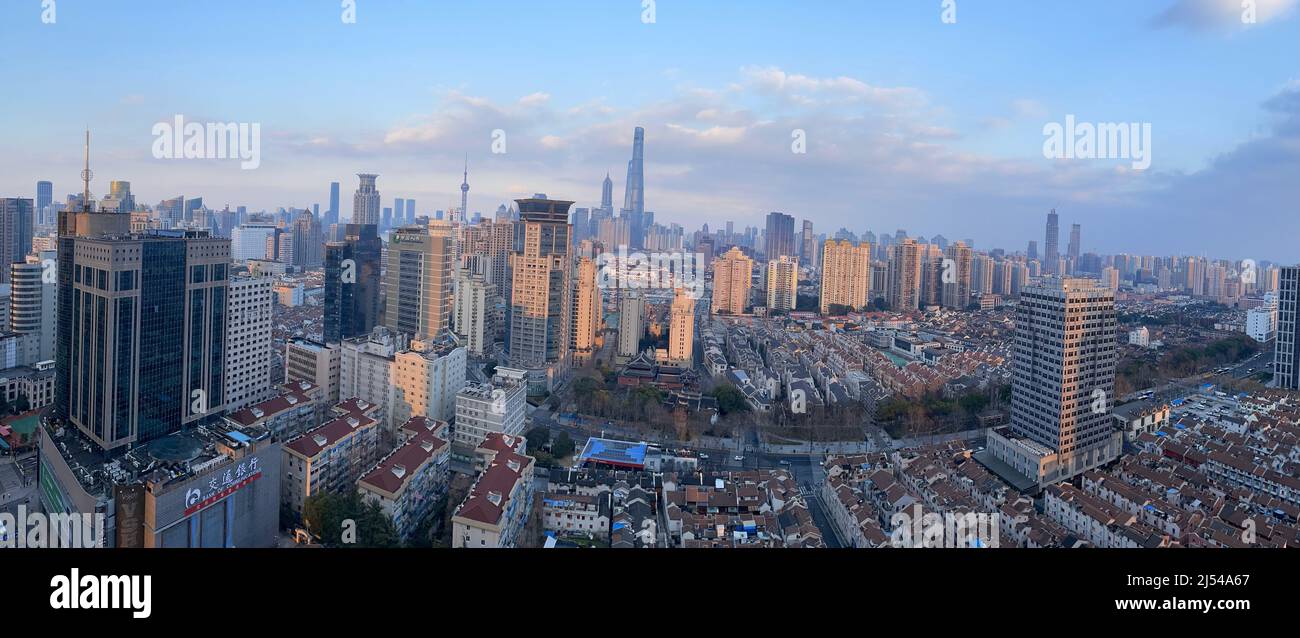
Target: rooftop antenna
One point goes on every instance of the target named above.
(86, 176)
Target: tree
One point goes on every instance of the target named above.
(730, 399)
(343, 520)
(562, 446)
(538, 438)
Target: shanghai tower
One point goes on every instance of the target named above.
(634, 195)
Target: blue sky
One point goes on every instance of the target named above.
(911, 123)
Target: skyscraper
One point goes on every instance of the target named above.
(607, 193)
(352, 283)
(32, 309)
(586, 309)
(44, 199)
(120, 199)
(475, 316)
(780, 236)
(308, 239)
(171, 211)
(194, 211)
(631, 327)
(410, 212)
(540, 266)
(1286, 356)
(1051, 253)
(932, 263)
(141, 350)
(1063, 382)
(16, 219)
(846, 276)
(681, 329)
(332, 215)
(418, 282)
(365, 203)
(248, 341)
(782, 284)
(808, 246)
(1072, 250)
(733, 275)
(905, 275)
(957, 281)
(634, 193)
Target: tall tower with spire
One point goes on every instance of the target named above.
(607, 194)
(634, 195)
(464, 194)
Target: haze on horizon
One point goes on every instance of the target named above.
(910, 122)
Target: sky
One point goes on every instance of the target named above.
(908, 119)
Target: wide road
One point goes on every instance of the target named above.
(1259, 362)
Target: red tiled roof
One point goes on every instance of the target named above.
(499, 478)
(311, 443)
(397, 468)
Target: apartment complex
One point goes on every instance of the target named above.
(332, 457)
(733, 275)
(846, 275)
(409, 481)
(500, 500)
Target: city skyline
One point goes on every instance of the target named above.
(884, 125)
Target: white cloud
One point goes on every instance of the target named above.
(806, 90)
(1221, 15)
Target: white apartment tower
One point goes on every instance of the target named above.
(484, 408)
(475, 308)
(32, 302)
(782, 283)
(248, 341)
(631, 307)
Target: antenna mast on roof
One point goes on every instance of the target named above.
(86, 175)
